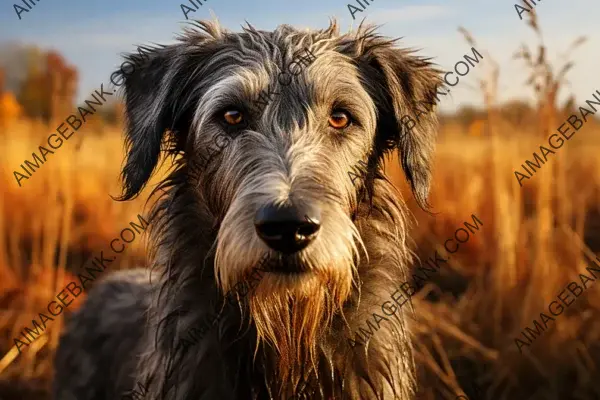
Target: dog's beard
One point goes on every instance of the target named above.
(291, 313)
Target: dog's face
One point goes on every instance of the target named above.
(282, 134)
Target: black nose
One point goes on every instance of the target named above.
(287, 228)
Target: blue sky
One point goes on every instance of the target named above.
(92, 34)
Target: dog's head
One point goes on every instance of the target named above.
(282, 134)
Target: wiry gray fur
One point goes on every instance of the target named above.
(204, 240)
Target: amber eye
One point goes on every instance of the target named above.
(233, 117)
(339, 119)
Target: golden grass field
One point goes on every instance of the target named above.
(58, 218)
(533, 242)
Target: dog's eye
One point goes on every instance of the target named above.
(233, 117)
(339, 119)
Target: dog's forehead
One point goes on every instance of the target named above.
(302, 67)
(286, 52)
(286, 75)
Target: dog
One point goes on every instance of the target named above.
(283, 189)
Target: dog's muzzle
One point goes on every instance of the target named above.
(287, 228)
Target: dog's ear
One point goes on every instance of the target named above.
(147, 85)
(160, 87)
(404, 88)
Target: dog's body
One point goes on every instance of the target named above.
(280, 188)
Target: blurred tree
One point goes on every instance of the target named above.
(62, 86)
(49, 93)
(30, 93)
(15, 59)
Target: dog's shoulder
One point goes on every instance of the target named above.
(104, 335)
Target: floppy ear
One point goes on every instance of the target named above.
(161, 88)
(404, 88)
(147, 91)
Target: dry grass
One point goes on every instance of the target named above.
(59, 217)
(535, 240)
(504, 277)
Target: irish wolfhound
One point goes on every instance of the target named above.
(286, 186)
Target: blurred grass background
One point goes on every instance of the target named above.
(534, 240)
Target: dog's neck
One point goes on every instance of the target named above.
(192, 361)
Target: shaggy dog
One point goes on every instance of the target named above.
(296, 181)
